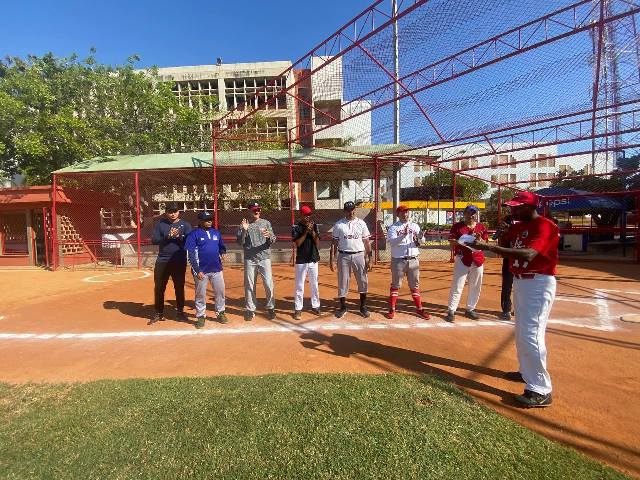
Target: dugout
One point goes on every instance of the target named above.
(136, 187)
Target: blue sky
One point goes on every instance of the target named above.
(169, 33)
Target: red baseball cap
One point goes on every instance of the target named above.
(254, 206)
(523, 198)
(305, 210)
(402, 208)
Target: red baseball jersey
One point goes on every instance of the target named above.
(468, 256)
(543, 236)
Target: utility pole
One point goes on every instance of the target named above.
(396, 106)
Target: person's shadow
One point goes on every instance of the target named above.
(140, 310)
(376, 353)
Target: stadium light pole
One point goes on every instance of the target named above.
(396, 107)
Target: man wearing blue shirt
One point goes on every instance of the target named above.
(169, 234)
(205, 248)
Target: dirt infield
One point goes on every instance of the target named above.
(85, 325)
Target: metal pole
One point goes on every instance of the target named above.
(638, 228)
(54, 223)
(454, 195)
(215, 179)
(499, 204)
(46, 236)
(596, 81)
(396, 105)
(291, 196)
(376, 203)
(137, 180)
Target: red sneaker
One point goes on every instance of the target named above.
(423, 314)
(390, 314)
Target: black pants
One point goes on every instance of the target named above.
(161, 274)
(507, 285)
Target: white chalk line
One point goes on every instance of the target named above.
(92, 279)
(572, 322)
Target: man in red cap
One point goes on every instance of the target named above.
(534, 257)
(468, 265)
(404, 237)
(306, 236)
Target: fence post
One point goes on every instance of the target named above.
(293, 218)
(46, 236)
(376, 203)
(638, 228)
(499, 204)
(454, 196)
(215, 180)
(453, 220)
(54, 222)
(137, 179)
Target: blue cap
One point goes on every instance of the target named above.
(205, 216)
(471, 208)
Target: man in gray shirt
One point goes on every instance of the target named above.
(256, 237)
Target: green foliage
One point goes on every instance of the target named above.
(270, 196)
(246, 136)
(57, 111)
(277, 426)
(469, 189)
(490, 214)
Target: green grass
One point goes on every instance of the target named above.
(286, 426)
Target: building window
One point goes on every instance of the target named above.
(417, 182)
(328, 190)
(494, 178)
(264, 93)
(306, 187)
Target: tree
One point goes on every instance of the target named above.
(469, 189)
(57, 111)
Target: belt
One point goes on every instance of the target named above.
(524, 276)
(405, 258)
(349, 253)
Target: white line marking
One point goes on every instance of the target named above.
(571, 322)
(619, 291)
(92, 278)
(603, 308)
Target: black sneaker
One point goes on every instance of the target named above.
(451, 316)
(222, 318)
(531, 399)
(297, 315)
(182, 317)
(364, 312)
(315, 311)
(340, 312)
(471, 314)
(505, 316)
(248, 315)
(514, 377)
(200, 322)
(156, 318)
(271, 314)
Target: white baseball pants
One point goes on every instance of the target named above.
(217, 282)
(302, 271)
(533, 299)
(462, 273)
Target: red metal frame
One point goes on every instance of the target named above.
(45, 232)
(54, 221)
(138, 239)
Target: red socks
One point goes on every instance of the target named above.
(393, 298)
(415, 294)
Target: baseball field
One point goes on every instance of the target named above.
(91, 391)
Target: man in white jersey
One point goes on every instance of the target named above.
(351, 241)
(404, 237)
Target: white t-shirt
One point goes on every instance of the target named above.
(401, 237)
(350, 234)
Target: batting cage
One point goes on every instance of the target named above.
(433, 104)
